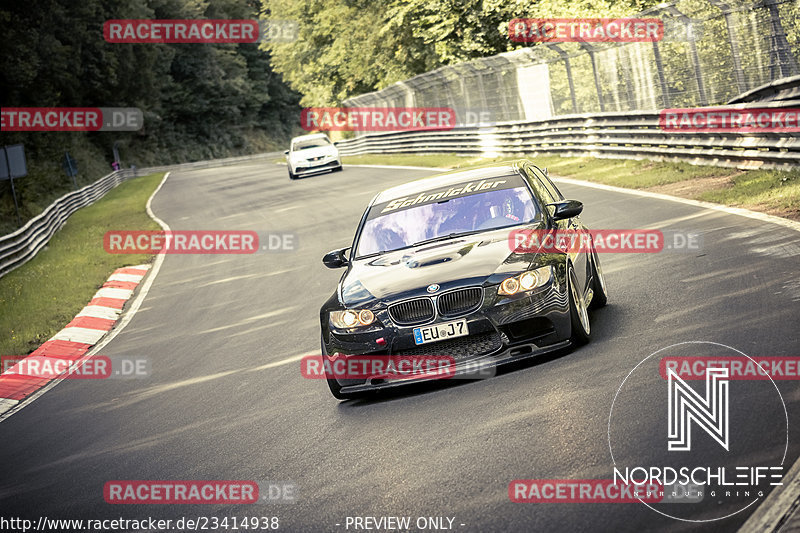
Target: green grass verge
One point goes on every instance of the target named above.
(764, 190)
(43, 295)
(435, 160)
(627, 172)
(771, 191)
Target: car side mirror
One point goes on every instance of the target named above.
(566, 209)
(286, 152)
(336, 258)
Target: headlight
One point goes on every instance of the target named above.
(352, 318)
(526, 281)
(509, 286)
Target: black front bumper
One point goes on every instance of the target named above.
(501, 331)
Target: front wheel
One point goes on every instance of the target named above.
(292, 176)
(600, 297)
(333, 385)
(579, 316)
(336, 390)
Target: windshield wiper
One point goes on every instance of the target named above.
(443, 238)
(420, 243)
(373, 254)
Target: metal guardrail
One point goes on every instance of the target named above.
(626, 135)
(19, 247)
(783, 89)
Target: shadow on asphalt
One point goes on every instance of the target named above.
(317, 174)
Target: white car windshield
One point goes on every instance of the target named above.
(310, 143)
(411, 220)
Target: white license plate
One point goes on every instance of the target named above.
(440, 332)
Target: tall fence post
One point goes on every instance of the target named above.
(694, 57)
(662, 79)
(597, 86)
(698, 73)
(782, 62)
(565, 58)
(734, 44)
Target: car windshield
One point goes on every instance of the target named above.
(483, 211)
(311, 143)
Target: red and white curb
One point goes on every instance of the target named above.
(73, 342)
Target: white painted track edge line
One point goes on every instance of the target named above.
(696, 203)
(137, 302)
(402, 167)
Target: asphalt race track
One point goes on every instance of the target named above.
(216, 408)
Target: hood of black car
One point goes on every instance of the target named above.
(474, 258)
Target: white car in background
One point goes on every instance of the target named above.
(310, 154)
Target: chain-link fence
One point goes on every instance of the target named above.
(711, 52)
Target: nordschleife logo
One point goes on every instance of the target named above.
(685, 406)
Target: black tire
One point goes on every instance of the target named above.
(292, 176)
(578, 314)
(600, 298)
(336, 390)
(333, 385)
(338, 169)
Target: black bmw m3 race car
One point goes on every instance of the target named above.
(434, 270)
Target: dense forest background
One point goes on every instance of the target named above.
(200, 101)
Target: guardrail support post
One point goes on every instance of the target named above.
(16, 205)
(13, 190)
